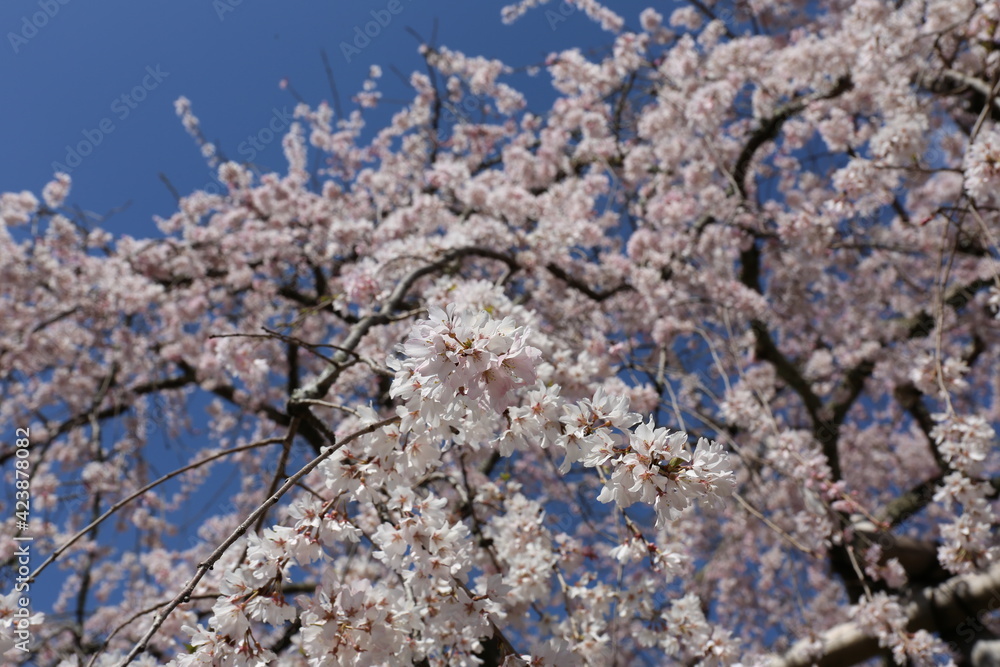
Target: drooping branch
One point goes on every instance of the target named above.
(132, 496)
(923, 323)
(209, 562)
(84, 418)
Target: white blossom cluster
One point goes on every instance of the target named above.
(457, 373)
(885, 618)
(459, 365)
(970, 540)
(982, 167)
(649, 464)
(964, 441)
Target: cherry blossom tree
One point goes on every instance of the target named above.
(699, 365)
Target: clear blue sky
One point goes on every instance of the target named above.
(66, 65)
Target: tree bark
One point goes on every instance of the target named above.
(957, 605)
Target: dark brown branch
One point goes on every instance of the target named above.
(923, 323)
(115, 410)
(769, 128)
(911, 399)
(585, 289)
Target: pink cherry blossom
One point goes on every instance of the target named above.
(693, 360)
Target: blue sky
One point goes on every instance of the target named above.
(104, 75)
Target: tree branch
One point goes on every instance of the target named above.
(209, 562)
(583, 288)
(124, 501)
(952, 604)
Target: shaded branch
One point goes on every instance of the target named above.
(952, 604)
(583, 288)
(769, 128)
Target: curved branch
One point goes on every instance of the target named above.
(769, 128)
(124, 501)
(579, 286)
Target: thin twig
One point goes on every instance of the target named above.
(133, 617)
(121, 503)
(278, 474)
(858, 572)
(333, 84)
(286, 448)
(209, 563)
(986, 109)
(770, 524)
(335, 406)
